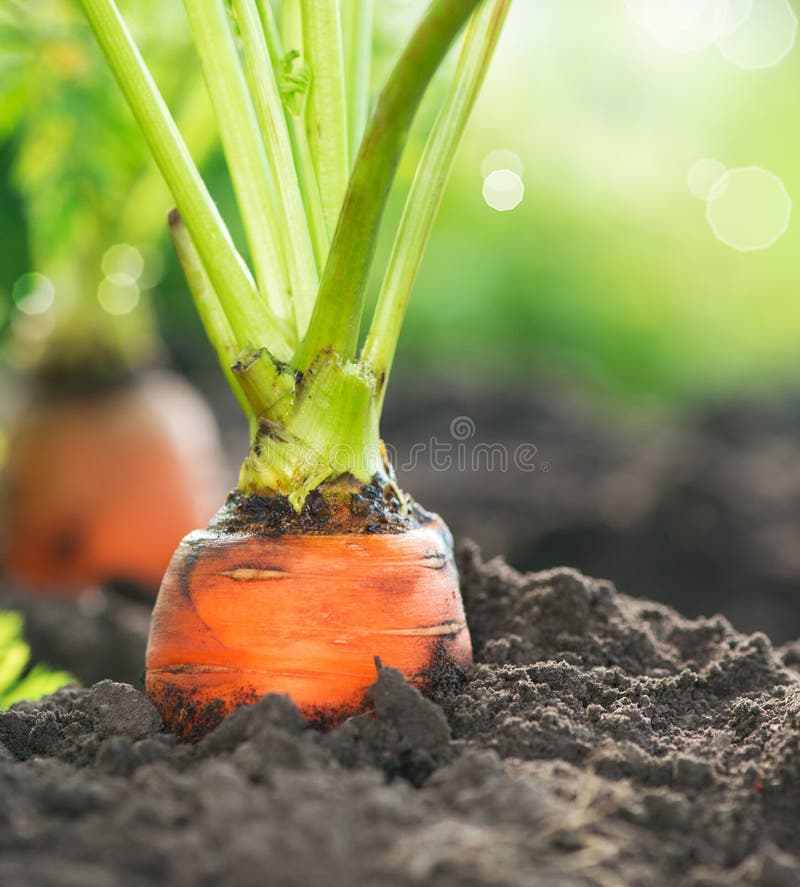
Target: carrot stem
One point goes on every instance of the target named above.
(295, 236)
(428, 187)
(329, 427)
(244, 150)
(194, 119)
(285, 123)
(293, 88)
(225, 267)
(291, 24)
(209, 307)
(326, 110)
(357, 18)
(336, 320)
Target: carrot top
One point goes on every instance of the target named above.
(312, 173)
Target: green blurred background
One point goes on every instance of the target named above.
(607, 273)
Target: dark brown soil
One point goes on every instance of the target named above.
(100, 635)
(600, 740)
(343, 506)
(699, 511)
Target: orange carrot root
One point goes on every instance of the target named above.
(101, 488)
(241, 615)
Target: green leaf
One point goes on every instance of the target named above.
(15, 684)
(40, 681)
(13, 659)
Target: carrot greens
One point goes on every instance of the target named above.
(427, 190)
(312, 171)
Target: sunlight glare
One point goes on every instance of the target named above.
(764, 38)
(749, 208)
(502, 158)
(703, 175)
(683, 25)
(33, 293)
(117, 297)
(503, 190)
(123, 263)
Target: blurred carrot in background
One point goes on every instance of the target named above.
(98, 439)
(85, 478)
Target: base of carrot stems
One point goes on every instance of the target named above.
(269, 601)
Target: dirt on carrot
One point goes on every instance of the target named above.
(344, 506)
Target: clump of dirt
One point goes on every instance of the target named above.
(598, 740)
(344, 505)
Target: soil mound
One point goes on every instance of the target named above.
(598, 740)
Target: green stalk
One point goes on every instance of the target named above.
(312, 199)
(269, 107)
(329, 429)
(295, 124)
(244, 150)
(326, 111)
(225, 267)
(208, 306)
(316, 417)
(357, 38)
(195, 121)
(291, 24)
(428, 187)
(336, 320)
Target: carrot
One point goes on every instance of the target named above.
(96, 515)
(318, 563)
(242, 615)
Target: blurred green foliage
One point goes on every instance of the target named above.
(607, 271)
(18, 680)
(77, 178)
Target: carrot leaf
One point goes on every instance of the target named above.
(312, 173)
(18, 680)
(428, 187)
(336, 320)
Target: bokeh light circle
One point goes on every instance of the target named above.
(749, 208)
(703, 175)
(117, 296)
(764, 38)
(33, 293)
(738, 13)
(123, 263)
(683, 25)
(153, 270)
(503, 190)
(502, 158)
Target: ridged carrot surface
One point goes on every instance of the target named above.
(240, 616)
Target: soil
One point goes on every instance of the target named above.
(599, 740)
(343, 506)
(102, 634)
(700, 511)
